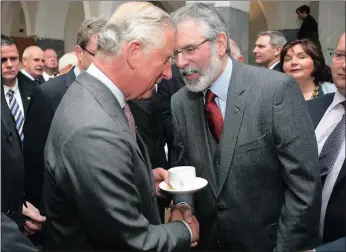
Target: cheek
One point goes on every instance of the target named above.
(308, 65)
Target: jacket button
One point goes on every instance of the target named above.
(153, 196)
(220, 210)
(9, 136)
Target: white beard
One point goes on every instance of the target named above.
(207, 76)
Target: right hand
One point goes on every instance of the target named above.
(183, 212)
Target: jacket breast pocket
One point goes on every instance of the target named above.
(252, 145)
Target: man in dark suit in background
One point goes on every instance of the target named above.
(328, 116)
(15, 96)
(33, 62)
(45, 99)
(248, 132)
(166, 89)
(309, 28)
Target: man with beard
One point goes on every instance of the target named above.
(247, 131)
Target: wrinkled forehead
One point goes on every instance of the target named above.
(189, 32)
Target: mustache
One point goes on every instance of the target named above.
(189, 70)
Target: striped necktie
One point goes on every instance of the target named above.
(16, 113)
(332, 146)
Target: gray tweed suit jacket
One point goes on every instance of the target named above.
(99, 192)
(265, 194)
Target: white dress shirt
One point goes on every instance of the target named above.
(46, 76)
(17, 95)
(97, 73)
(27, 74)
(272, 66)
(330, 119)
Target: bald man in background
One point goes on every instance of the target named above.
(33, 62)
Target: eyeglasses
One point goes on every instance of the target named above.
(188, 50)
(338, 56)
(84, 49)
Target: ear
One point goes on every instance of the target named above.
(78, 50)
(277, 51)
(221, 41)
(133, 53)
(24, 62)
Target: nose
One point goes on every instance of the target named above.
(181, 61)
(9, 63)
(255, 50)
(167, 71)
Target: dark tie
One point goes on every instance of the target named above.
(214, 116)
(16, 113)
(130, 119)
(332, 146)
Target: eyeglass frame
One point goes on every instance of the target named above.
(191, 47)
(339, 56)
(84, 49)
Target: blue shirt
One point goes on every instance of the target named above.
(220, 87)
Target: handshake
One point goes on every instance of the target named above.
(182, 212)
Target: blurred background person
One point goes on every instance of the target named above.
(268, 47)
(50, 64)
(67, 62)
(309, 27)
(33, 61)
(304, 61)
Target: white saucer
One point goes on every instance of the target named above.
(198, 185)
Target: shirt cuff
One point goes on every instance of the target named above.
(187, 225)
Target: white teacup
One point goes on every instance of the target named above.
(182, 177)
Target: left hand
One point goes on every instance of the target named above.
(36, 219)
(159, 175)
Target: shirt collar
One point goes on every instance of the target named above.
(27, 74)
(97, 73)
(273, 65)
(47, 76)
(338, 98)
(220, 86)
(76, 70)
(14, 88)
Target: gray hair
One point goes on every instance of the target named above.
(140, 21)
(276, 38)
(89, 28)
(207, 15)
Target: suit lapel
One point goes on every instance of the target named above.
(25, 89)
(200, 133)
(233, 117)
(108, 102)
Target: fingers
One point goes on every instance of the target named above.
(185, 209)
(33, 213)
(33, 226)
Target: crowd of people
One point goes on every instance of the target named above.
(86, 140)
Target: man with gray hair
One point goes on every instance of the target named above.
(268, 47)
(100, 189)
(248, 132)
(44, 101)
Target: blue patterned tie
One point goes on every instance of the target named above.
(332, 146)
(16, 113)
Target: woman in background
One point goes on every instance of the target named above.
(304, 61)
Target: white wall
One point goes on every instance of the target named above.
(74, 19)
(239, 5)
